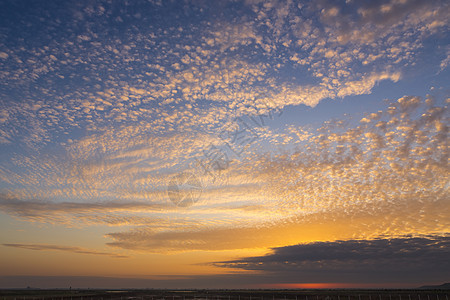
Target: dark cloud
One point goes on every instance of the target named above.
(389, 260)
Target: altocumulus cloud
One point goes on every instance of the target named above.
(103, 102)
(384, 175)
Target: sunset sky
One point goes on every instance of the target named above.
(224, 144)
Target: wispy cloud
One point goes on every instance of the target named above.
(78, 250)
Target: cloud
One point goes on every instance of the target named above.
(166, 89)
(363, 263)
(365, 85)
(104, 122)
(78, 250)
(275, 229)
(80, 214)
(376, 20)
(354, 260)
(387, 173)
(382, 253)
(377, 169)
(445, 62)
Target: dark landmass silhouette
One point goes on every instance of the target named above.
(444, 286)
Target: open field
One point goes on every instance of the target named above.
(151, 294)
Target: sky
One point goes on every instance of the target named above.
(224, 144)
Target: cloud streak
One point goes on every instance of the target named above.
(77, 250)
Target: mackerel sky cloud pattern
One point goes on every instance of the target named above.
(300, 122)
